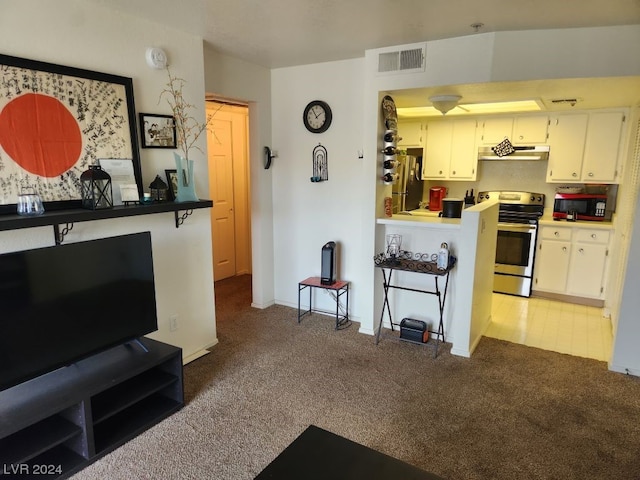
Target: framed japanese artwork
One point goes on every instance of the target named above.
(57, 120)
(172, 182)
(157, 131)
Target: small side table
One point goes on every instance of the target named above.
(339, 288)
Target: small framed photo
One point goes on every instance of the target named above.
(157, 131)
(172, 182)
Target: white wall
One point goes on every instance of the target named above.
(232, 78)
(306, 215)
(626, 354)
(82, 34)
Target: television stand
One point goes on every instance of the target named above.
(139, 343)
(69, 418)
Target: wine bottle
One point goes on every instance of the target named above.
(389, 164)
(389, 177)
(389, 150)
(391, 137)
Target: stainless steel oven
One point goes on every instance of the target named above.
(516, 244)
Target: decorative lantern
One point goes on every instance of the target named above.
(159, 189)
(95, 185)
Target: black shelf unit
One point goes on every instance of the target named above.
(68, 217)
(71, 417)
(415, 266)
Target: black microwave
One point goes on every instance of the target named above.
(579, 206)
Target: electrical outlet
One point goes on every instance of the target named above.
(173, 323)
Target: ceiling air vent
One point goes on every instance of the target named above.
(566, 101)
(402, 61)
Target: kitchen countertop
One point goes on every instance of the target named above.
(421, 221)
(548, 221)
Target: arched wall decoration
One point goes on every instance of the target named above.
(320, 164)
(55, 121)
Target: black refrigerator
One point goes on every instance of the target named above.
(408, 189)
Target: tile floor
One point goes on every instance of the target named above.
(551, 325)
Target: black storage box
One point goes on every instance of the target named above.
(414, 330)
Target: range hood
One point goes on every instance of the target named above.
(533, 152)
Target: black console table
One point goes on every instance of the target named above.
(54, 425)
(430, 268)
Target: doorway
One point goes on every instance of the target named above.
(229, 188)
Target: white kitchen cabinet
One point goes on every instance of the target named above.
(572, 261)
(411, 133)
(493, 130)
(552, 260)
(588, 259)
(519, 129)
(437, 150)
(585, 147)
(530, 130)
(464, 154)
(450, 150)
(602, 148)
(567, 135)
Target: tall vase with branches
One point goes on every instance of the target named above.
(188, 131)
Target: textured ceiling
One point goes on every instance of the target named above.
(280, 33)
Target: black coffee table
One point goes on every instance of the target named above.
(318, 454)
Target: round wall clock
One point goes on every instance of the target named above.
(317, 116)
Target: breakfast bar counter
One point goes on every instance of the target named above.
(472, 240)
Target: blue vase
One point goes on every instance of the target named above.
(186, 184)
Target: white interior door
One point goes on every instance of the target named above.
(228, 185)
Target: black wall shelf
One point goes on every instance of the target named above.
(68, 217)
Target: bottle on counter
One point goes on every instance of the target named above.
(443, 257)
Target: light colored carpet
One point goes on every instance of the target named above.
(509, 412)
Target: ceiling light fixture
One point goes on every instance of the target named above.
(444, 103)
(473, 109)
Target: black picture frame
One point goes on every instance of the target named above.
(101, 104)
(172, 182)
(157, 131)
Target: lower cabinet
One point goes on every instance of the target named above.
(571, 261)
(57, 424)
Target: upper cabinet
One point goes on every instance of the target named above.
(494, 130)
(530, 130)
(585, 147)
(567, 134)
(603, 147)
(520, 130)
(450, 151)
(411, 133)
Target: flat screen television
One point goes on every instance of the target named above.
(64, 303)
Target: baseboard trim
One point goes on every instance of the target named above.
(262, 306)
(624, 370)
(589, 302)
(198, 354)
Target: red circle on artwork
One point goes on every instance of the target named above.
(39, 133)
